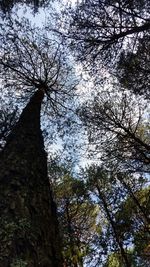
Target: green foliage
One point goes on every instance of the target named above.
(124, 203)
(19, 263)
(77, 216)
(137, 63)
(114, 261)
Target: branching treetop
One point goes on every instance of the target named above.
(31, 60)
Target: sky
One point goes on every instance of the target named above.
(42, 16)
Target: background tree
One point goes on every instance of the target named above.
(133, 69)
(118, 130)
(113, 37)
(131, 222)
(101, 28)
(77, 216)
(123, 224)
(108, 195)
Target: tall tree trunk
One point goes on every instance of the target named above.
(114, 228)
(28, 224)
(73, 256)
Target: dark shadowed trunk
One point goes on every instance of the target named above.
(73, 253)
(114, 228)
(28, 223)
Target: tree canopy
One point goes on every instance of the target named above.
(76, 86)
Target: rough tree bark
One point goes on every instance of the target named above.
(123, 252)
(28, 223)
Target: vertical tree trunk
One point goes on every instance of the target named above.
(119, 242)
(73, 255)
(28, 224)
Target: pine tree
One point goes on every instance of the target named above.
(29, 233)
(33, 66)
